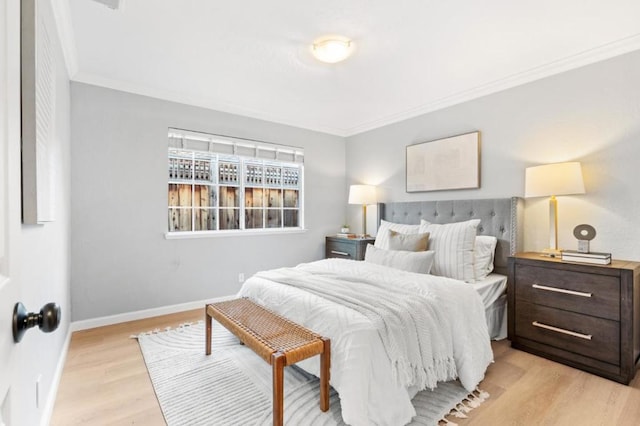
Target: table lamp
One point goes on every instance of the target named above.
(362, 194)
(552, 180)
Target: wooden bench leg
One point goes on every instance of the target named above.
(277, 363)
(325, 370)
(207, 341)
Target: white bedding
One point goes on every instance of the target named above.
(360, 368)
(492, 291)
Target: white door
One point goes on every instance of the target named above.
(9, 198)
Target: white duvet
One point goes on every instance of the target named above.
(361, 371)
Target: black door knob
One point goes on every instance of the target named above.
(48, 319)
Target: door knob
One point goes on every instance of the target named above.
(47, 319)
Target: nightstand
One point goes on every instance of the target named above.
(583, 315)
(347, 248)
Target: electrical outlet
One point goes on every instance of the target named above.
(241, 277)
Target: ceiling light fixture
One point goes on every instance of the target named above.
(332, 49)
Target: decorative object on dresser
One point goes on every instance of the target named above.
(585, 316)
(363, 195)
(584, 233)
(592, 257)
(346, 235)
(346, 248)
(552, 180)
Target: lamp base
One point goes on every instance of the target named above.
(549, 252)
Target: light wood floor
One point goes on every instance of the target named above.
(105, 382)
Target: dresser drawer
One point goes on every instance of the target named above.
(597, 338)
(341, 249)
(590, 294)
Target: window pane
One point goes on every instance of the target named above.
(205, 220)
(253, 175)
(204, 196)
(202, 170)
(274, 197)
(253, 218)
(228, 172)
(180, 219)
(272, 175)
(229, 197)
(290, 218)
(274, 218)
(290, 198)
(179, 195)
(180, 168)
(254, 197)
(290, 177)
(229, 218)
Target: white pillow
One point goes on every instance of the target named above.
(410, 261)
(484, 253)
(408, 242)
(382, 237)
(453, 244)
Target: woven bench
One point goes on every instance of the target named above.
(277, 340)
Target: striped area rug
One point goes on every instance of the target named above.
(232, 386)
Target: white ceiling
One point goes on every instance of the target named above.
(252, 57)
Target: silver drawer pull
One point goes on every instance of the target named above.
(562, 330)
(561, 290)
(341, 253)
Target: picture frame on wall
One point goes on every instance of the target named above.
(38, 97)
(444, 164)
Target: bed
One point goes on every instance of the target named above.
(501, 218)
(374, 365)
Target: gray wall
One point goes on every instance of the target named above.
(44, 253)
(591, 115)
(121, 260)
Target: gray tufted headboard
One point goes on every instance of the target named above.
(500, 217)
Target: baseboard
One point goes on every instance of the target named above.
(55, 382)
(146, 313)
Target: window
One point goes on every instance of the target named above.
(218, 183)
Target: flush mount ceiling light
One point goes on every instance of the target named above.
(332, 49)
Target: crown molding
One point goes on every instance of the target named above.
(581, 59)
(62, 16)
(96, 80)
(587, 57)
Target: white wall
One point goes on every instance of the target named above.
(121, 260)
(591, 115)
(44, 267)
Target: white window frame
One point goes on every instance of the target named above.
(219, 148)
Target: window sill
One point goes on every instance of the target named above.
(231, 233)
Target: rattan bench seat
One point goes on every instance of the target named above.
(277, 340)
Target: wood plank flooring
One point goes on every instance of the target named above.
(105, 382)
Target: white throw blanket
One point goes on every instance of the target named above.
(361, 371)
(409, 324)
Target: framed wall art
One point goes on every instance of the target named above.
(444, 164)
(37, 109)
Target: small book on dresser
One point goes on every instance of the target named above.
(345, 235)
(591, 257)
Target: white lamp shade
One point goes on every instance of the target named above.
(554, 179)
(362, 194)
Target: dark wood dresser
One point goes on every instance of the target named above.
(583, 315)
(347, 248)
